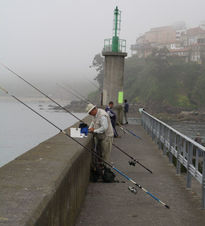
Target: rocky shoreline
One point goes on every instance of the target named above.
(191, 116)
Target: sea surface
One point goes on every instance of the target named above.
(21, 129)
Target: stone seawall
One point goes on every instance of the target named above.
(46, 185)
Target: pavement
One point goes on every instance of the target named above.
(112, 204)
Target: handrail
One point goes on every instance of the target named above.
(188, 153)
(201, 147)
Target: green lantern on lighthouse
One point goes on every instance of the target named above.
(115, 44)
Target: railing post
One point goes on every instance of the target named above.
(189, 162)
(180, 146)
(197, 159)
(152, 130)
(170, 146)
(203, 182)
(158, 134)
(164, 140)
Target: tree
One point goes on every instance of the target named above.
(98, 64)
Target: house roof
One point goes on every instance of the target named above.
(195, 31)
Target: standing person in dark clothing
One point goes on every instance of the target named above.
(126, 109)
(112, 115)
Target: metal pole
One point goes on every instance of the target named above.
(189, 162)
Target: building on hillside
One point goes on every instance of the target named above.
(157, 38)
(182, 52)
(195, 40)
(187, 43)
(142, 48)
(161, 35)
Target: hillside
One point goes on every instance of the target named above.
(161, 83)
(165, 83)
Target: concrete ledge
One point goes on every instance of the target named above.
(122, 54)
(46, 185)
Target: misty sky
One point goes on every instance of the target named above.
(59, 38)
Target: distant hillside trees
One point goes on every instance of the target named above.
(162, 82)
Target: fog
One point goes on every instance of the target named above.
(56, 40)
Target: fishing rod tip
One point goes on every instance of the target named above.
(167, 206)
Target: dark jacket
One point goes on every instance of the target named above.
(126, 107)
(111, 113)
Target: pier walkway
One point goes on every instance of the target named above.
(114, 205)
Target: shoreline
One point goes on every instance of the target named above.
(195, 117)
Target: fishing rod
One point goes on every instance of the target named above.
(13, 72)
(74, 94)
(99, 89)
(132, 189)
(96, 86)
(79, 96)
(132, 162)
(121, 127)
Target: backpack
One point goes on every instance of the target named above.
(108, 176)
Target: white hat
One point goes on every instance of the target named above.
(89, 108)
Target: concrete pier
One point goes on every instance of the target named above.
(114, 205)
(46, 185)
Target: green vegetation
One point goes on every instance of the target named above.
(164, 83)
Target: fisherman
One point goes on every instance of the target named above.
(126, 109)
(102, 130)
(112, 115)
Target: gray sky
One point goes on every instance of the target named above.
(59, 38)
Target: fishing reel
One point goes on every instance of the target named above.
(132, 189)
(132, 162)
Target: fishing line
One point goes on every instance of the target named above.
(107, 163)
(120, 125)
(132, 163)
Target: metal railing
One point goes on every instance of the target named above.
(185, 152)
(108, 45)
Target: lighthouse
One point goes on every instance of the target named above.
(114, 52)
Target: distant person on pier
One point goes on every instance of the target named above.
(113, 117)
(126, 109)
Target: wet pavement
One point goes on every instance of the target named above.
(112, 204)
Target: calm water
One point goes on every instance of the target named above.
(21, 129)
